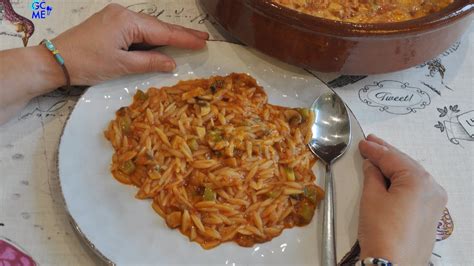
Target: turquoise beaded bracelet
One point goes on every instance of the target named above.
(57, 56)
(374, 261)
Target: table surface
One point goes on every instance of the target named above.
(32, 211)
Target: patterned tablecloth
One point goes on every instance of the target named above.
(427, 111)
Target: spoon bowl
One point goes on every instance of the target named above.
(331, 128)
(331, 131)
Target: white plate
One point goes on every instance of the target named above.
(127, 231)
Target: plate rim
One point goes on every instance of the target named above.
(75, 226)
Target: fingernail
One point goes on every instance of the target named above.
(202, 34)
(371, 135)
(362, 143)
(205, 36)
(169, 66)
(375, 145)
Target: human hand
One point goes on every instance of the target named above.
(97, 49)
(398, 223)
(94, 51)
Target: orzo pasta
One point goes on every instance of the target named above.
(367, 11)
(219, 163)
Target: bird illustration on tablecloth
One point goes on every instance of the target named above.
(21, 24)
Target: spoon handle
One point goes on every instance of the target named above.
(329, 242)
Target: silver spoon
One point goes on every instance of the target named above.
(331, 137)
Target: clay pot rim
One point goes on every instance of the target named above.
(305, 22)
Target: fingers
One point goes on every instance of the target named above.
(373, 138)
(387, 158)
(200, 34)
(148, 61)
(154, 32)
(374, 181)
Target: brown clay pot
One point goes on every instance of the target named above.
(332, 46)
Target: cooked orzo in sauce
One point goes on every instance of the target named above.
(219, 163)
(366, 11)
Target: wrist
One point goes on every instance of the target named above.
(379, 253)
(24, 74)
(32, 70)
(374, 261)
(47, 73)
